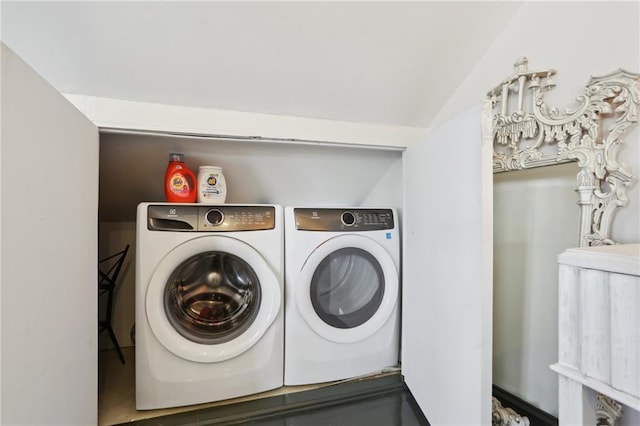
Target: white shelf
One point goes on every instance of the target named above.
(620, 258)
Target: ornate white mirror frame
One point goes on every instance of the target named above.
(544, 136)
(589, 134)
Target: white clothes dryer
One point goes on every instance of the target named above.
(342, 293)
(209, 302)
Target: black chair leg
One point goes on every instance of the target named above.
(115, 342)
(107, 279)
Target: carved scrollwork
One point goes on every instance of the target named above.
(589, 133)
(608, 411)
(503, 416)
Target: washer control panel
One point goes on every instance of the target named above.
(210, 218)
(356, 219)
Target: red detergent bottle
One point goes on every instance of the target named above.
(179, 181)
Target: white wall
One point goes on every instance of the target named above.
(534, 210)
(132, 170)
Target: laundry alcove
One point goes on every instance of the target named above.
(132, 170)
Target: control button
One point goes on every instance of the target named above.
(214, 217)
(348, 218)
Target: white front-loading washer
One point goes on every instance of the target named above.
(342, 293)
(209, 302)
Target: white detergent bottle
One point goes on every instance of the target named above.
(212, 187)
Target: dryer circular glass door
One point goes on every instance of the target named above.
(212, 298)
(348, 288)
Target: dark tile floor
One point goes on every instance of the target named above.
(383, 401)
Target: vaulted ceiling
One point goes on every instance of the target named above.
(392, 63)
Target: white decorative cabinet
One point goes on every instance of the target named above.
(599, 331)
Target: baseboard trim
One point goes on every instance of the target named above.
(536, 416)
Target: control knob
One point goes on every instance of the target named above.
(348, 218)
(214, 217)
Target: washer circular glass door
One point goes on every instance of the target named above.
(348, 288)
(212, 298)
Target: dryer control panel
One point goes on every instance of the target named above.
(348, 220)
(210, 218)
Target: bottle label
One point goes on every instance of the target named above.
(210, 188)
(179, 185)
